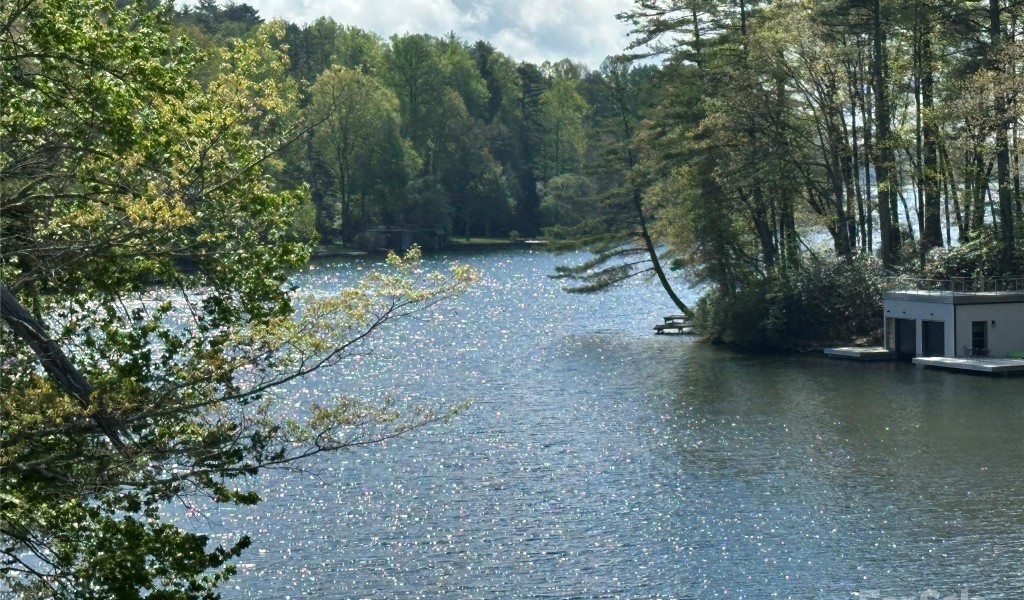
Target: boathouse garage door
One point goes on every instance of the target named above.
(933, 339)
(906, 338)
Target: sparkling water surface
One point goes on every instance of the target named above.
(600, 461)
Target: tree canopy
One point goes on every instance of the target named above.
(148, 322)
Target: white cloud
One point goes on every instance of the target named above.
(516, 45)
(533, 30)
(535, 14)
(479, 13)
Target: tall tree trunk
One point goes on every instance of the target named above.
(890, 237)
(763, 227)
(931, 232)
(1006, 234)
(844, 166)
(951, 193)
(1017, 170)
(869, 154)
(851, 196)
(761, 213)
(979, 189)
(906, 215)
(919, 35)
(842, 231)
(1015, 67)
(638, 205)
(346, 205)
(854, 91)
(652, 252)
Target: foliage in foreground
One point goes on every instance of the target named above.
(177, 413)
(149, 328)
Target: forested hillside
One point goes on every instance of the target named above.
(418, 131)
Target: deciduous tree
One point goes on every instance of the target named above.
(148, 327)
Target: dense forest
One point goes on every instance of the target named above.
(907, 105)
(795, 154)
(430, 133)
(735, 139)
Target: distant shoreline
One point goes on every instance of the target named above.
(321, 252)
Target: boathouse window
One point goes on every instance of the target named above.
(979, 343)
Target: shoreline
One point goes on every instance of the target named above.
(321, 252)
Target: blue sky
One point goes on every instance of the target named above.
(532, 30)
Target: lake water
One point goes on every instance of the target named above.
(600, 461)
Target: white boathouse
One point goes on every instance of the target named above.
(947, 323)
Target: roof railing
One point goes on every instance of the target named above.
(957, 285)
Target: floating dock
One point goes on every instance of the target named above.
(861, 353)
(977, 364)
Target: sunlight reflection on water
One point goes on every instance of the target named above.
(600, 461)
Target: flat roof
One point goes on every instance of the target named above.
(955, 297)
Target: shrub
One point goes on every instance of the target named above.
(824, 301)
(978, 257)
